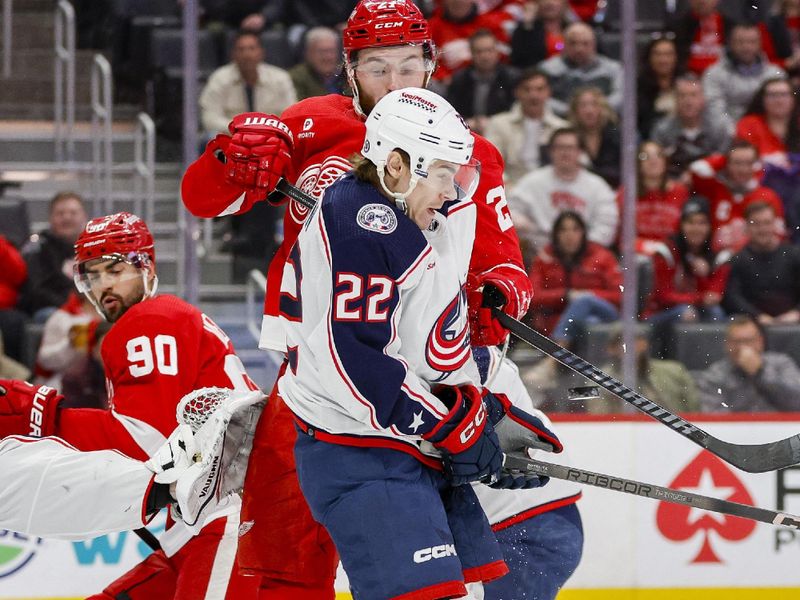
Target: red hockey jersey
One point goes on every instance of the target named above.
(161, 349)
(327, 132)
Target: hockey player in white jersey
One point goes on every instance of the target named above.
(381, 377)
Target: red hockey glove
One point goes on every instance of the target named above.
(259, 151)
(515, 287)
(27, 409)
(469, 446)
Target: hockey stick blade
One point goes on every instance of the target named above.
(518, 462)
(757, 458)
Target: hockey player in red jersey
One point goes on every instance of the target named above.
(387, 47)
(158, 349)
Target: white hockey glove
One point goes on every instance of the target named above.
(223, 422)
(174, 457)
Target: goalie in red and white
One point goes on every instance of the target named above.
(387, 46)
(158, 349)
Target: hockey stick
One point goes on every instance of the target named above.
(518, 462)
(751, 458)
(148, 538)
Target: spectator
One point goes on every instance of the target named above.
(577, 282)
(595, 122)
(485, 87)
(549, 383)
(785, 181)
(318, 74)
(540, 33)
(64, 339)
(780, 34)
(666, 382)
(700, 34)
(730, 183)
(246, 84)
(767, 122)
(49, 257)
(730, 84)
(84, 380)
(541, 195)
(523, 133)
(749, 379)
(580, 65)
(655, 90)
(10, 368)
(658, 199)
(690, 278)
(584, 9)
(256, 15)
(694, 131)
(12, 278)
(765, 276)
(454, 23)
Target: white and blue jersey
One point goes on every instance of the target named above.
(375, 314)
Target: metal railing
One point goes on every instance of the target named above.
(64, 96)
(8, 32)
(256, 288)
(102, 141)
(144, 167)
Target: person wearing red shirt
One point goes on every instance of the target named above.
(451, 27)
(658, 199)
(689, 279)
(700, 35)
(577, 282)
(730, 183)
(12, 321)
(540, 32)
(767, 121)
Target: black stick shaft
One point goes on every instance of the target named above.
(646, 490)
(757, 458)
(148, 538)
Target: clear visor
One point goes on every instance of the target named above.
(411, 69)
(454, 181)
(104, 271)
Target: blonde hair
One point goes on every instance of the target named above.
(608, 115)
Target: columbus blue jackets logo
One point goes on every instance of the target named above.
(377, 217)
(448, 341)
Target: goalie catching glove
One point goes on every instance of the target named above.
(27, 409)
(205, 458)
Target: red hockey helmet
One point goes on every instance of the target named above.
(121, 234)
(374, 24)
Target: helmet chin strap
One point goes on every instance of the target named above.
(399, 197)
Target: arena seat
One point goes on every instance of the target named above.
(697, 345)
(14, 222)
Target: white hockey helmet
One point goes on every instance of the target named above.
(428, 128)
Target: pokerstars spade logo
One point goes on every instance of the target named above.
(16, 551)
(709, 476)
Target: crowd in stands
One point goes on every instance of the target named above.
(718, 167)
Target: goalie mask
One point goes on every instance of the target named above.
(432, 133)
(382, 24)
(102, 246)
